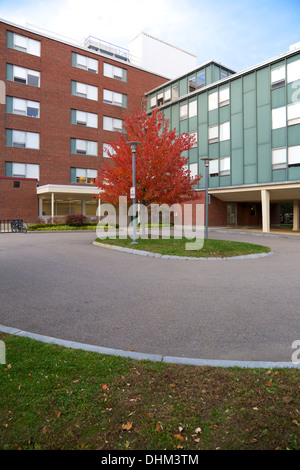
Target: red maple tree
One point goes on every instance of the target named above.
(161, 173)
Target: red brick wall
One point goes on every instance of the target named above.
(18, 202)
(56, 102)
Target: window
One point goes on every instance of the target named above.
(84, 63)
(278, 117)
(213, 101)
(82, 118)
(153, 102)
(293, 71)
(183, 112)
(224, 131)
(25, 76)
(214, 168)
(21, 139)
(201, 79)
(112, 124)
(225, 166)
(219, 98)
(84, 147)
(175, 92)
(278, 158)
(196, 81)
(294, 156)
(192, 83)
(83, 90)
(278, 77)
(167, 95)
(193, 108)
(194, 170)
(213, 134)
(224, 97)
(23, 107)
(23, 44)
(112, 97)
(25, 170)
(108, 151)
(112, 71)
(83, 175)
(160, 99)
(194, 134)
(293, 113)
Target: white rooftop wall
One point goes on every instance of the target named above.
(161, 58)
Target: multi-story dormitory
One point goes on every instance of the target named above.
(60, 105)
(248, 125)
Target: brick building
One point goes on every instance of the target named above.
(60, 106)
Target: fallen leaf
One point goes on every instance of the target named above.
(127, 426)
(179, 437)
(159, 427)
(58, 414)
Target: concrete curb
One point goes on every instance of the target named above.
(150, 357)
(184, 258)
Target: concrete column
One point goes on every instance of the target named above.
(83, 207)
(52, 206)
(265, 206)
(98, 212)
(296, 216)
(40, 207)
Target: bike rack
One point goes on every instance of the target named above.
(6, 226)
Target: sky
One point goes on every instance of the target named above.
(238, 34)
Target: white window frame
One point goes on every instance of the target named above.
(279, 157)
(293, 71)
(112, 124)
(25, 44)
(86, 147)
(21, 106)
(86, 63)
(278, 76)
(224, 96)
(279, 117)
(27, 140)
(83, 90)
(214, 167)
(213, 101)
(84, 118)
(224, 166)
(183, 112)
(294, 155)
(87, 174)
(24, 75)
(167, 95)
(195, 144)
(193, 170)
(225, 131)
(193, 108)
(112, 71)
(213, 134)
(27, 169)
(108, 148)
(293, 113)
(112, 97)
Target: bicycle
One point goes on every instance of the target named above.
(18, 226)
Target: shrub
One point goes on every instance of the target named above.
(76, 220)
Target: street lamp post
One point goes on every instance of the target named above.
(206, 163)
(133, 146)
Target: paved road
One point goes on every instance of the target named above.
(60, 285)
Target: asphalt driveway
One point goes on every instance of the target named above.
(60, 285)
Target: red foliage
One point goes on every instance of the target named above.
(161, 175)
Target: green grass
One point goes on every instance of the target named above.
(58, 398)
(211, 248)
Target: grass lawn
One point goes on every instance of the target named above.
(58, 398)
(211, 248)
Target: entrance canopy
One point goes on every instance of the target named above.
(61, 200)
